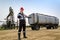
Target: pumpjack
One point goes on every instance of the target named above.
(10, 19)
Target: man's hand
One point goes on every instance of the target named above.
(27, 16)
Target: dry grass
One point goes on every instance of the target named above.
(42, 34)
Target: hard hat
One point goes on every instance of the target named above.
(21, 8)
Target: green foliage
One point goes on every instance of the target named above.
(1, 28)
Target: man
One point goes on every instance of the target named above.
(22, 23)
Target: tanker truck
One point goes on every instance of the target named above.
(38, 20)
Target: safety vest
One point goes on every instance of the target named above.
(21, 16)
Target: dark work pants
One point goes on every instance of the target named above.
(22, 25)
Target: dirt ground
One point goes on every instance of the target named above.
(42, 34)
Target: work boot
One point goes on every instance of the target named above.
(19, 36)
(24, 35)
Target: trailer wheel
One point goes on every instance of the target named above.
(56, 27)
(37, 27)
(48, 27)
(32, 28)
(53, 27)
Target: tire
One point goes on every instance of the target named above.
(48, 27)
(56, 27)
(32, 28)
(37, 27)
(53, 27)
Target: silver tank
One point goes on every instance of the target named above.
(42, 19)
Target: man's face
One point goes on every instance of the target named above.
(21, 11)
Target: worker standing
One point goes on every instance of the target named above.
(22, 23)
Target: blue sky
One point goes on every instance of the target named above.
(48, 7)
